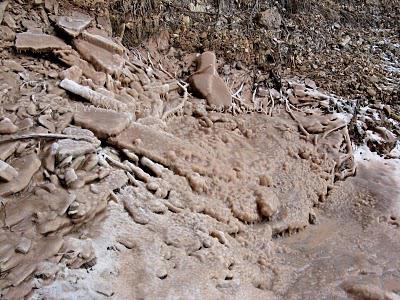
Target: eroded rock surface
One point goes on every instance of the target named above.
(37, 42)
(118, 182)
(102, 123)
(208, 84)
(26, 167)
(74, 25)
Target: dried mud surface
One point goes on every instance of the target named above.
(160, 173)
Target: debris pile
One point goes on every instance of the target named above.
(93, 131)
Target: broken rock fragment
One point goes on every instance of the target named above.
(73, 25)
(73, 73)
(3, 7)
(9, 21)
(7, 172)
(270, 18)
(6, 33)
(24, 245)
(7, 127)
(7, 149)
(38, 42)
(100, 58)
(103, 123)
(68, 147)
(208, 84)
(13, 65)
(103, 42)
(72, 58)
(267, 201)
(25, 166)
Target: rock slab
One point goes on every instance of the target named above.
(102, 123)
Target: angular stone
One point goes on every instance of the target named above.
(72, 58)
(73, 25)
(82, 132)
(7, 149)
(73, 148)
(310, 83)
(37, 42)
(73, 73)
(101, 58)
(267, 202)
(7, 127)
(270, 18)
(6, 33)
(51, 6)
(3, 7)
(7, 173)
(103, 42)
(46, 269)
(208, 84)
(9, 21)
(26, 166)
(24, 245)
(103, 123)
(13, 65)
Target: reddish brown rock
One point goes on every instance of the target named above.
(26, 166)
(3, 7)
(7, 149)
(7, 172)
(7, 127)
(73, 73)
(38, 42)
(103, 123)
(73, 25)
(6, 33)
(101, 58)
(208, 84)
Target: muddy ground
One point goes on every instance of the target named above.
(191, 150)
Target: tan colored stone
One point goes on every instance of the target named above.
(102, 123)
(7, 127)
(73, 73)
(37, 42)
(26, 166)
(208, 84)
(73, 25)
(7, 172)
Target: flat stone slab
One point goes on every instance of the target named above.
(7, 172)
(101, 58)
(25, 166)
(7, 149)
(102, 123)
(73, 148)
(73, 25)
(39, 42)
(7, 127)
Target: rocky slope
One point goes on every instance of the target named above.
(123, 178)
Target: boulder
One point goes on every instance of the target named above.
(206, 82)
